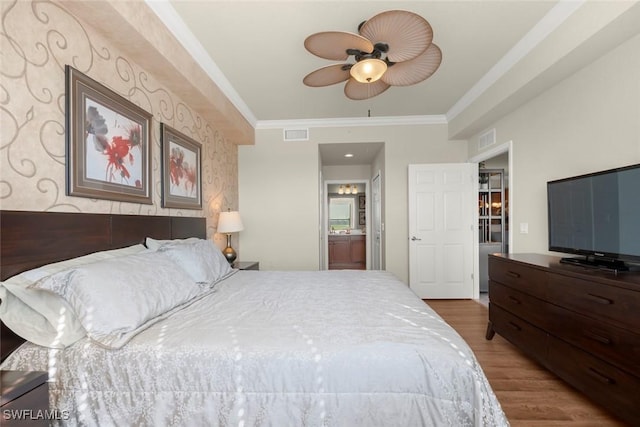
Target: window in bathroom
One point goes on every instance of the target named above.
(341, 213)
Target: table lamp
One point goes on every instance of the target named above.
(229, 222)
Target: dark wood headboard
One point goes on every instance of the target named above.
(33, 239)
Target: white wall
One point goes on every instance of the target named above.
(586, 123)
(279, 203)
(346, 173)
(267, 170)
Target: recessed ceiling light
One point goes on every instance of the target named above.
(348, 155)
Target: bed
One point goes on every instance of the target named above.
(259, 348)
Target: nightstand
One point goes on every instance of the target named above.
(246, 265)
(25, 398)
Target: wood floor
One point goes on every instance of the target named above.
(529, 394)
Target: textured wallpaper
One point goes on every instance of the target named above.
(37, 40)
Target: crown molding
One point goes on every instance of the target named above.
(552, 20)
(353, 122)
(173, 22)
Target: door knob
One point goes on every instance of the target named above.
(414, 238)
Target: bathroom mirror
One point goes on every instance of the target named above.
(341, 213)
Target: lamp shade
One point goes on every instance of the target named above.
(368, 70)
(229, 222)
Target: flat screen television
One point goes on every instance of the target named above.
(597, 216)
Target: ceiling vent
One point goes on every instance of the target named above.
(296, 134)
(486, 139)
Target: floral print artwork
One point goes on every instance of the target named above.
(113, 147)
(182, 171)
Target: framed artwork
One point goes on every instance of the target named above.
(181, 170)
(361, 202)
(108, 143)
(362, 220)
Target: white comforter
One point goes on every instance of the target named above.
(329, 348)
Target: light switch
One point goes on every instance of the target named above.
(524, 228)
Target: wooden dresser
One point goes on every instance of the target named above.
(582, 324)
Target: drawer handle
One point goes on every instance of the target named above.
(596, 337)
(514, 300)
(601, 377)
(513, 274)
(514, 326)
(599, 299)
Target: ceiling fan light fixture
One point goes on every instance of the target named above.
(368, 70)
(397, 39)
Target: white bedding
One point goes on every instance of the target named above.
(334, 348)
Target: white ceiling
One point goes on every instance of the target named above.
(258, 48)
(254, 51)
(359, 153)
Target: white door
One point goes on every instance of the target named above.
(376, 213)
(441, 215)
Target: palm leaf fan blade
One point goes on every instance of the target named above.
(333, 45)
(406, 33)
(326, 76)
(359, 91)
(415, 70)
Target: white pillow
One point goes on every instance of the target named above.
(154, 244)
(115, 299)
(44, 318)
(201, 259)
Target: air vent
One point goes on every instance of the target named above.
(296, 134)
(486, 139)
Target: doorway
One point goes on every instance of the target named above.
(360, 164)
(346, 229)
(498, 158)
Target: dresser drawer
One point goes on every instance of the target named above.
(616, 390)
(518, 303)
(618, 305)
(520, 333)
(618, 346)
(518, 276)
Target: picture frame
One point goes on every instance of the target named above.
(181, 170)
(362, 219)
(108, 143)
(361, 202)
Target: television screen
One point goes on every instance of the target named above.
(596, 215)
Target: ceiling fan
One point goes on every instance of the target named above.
(393, 48)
